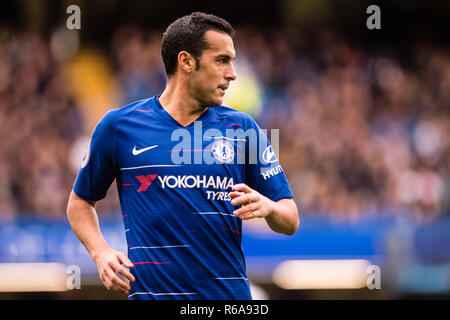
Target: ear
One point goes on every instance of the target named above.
(186, 61)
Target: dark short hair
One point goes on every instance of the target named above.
(188, 34)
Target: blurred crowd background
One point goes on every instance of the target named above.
(39, 121)
(362, 133)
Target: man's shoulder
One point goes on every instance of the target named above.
(115, 115)
(143, 103)
(238, 116)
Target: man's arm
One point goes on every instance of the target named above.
(281, 215)
(84, 222)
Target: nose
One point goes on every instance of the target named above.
(231, 73)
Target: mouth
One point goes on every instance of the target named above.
(222, 88)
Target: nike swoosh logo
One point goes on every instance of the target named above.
(136, 152)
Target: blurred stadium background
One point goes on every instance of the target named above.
(364, 119)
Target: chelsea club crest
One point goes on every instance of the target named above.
(223, 151)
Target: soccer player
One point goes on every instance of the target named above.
(183, 219)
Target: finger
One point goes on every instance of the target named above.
(242, 187)
(117, 268)
(125, 261)
(248, 216)
(105, 281)
(109, 284)
(119, 287)
(244, 199)
(117, 283)
(124, 272)
(245, 209)
(235, 194)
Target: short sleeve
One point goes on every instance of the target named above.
(263, 170)
(98, 168)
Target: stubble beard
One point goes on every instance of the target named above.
(211, 104)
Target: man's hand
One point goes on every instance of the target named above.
(254, 204)
(84, 222)
(281, 215)
(109, 263)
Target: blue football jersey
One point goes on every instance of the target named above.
(174, 184)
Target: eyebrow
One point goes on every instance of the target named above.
(220, 56)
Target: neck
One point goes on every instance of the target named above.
(181, 106)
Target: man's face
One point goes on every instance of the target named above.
(209, 82)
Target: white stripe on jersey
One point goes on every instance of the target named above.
(224, 214)
(221, 137)
(151, 166)
(161, 247)
(232, 278)
(163, 293)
